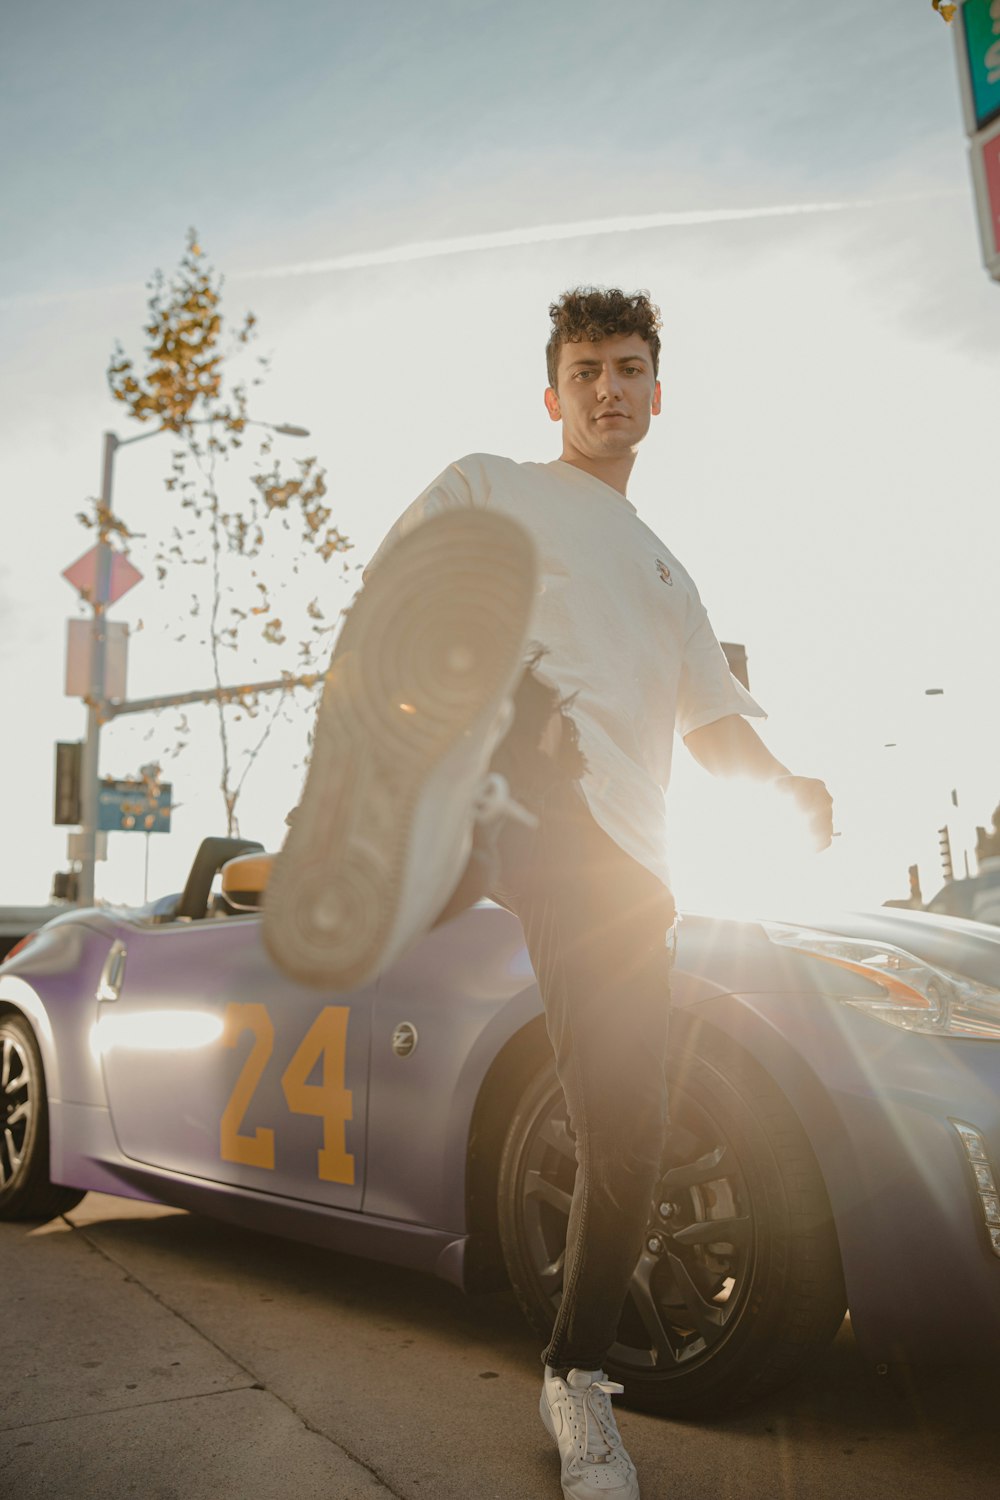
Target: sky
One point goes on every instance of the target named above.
(398, 192)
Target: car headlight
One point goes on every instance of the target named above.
(897, 987)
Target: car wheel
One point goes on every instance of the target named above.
(25, 1189)
(739, 1280)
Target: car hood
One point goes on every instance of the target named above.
(969, 948)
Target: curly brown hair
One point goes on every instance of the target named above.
(590, 314)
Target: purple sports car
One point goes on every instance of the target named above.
(835, 1092)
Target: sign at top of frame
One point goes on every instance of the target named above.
(979, 46)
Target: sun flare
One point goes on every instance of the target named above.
(745, 852)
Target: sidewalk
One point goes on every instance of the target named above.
(157, 1355)
(109, 1393)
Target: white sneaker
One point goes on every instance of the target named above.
(577, 1412)
(417, 697)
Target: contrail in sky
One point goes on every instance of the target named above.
(503, 239)
(544, 234)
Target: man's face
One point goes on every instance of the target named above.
(606, 394)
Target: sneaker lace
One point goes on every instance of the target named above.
(495, 802)
(601, 1436)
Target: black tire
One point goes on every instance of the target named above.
(25, 1189)
(714, 1317)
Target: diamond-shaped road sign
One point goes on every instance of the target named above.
(83, 576)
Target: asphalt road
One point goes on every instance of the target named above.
(152, 1354)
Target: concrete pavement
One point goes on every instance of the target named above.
(109, 1391)
(156, 1355)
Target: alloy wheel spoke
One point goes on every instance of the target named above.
(537, 1186)
(707, 1318)
(712, 1164)
(5, 1066)
(13, 1154)
(734, 1231)
(552, 1274)
(20, 1111)
(641, 1292)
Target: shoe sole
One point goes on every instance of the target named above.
(417, 694)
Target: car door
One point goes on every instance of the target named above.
(219, 1067)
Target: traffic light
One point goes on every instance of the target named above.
(944, 844)
(67, 797)
(65, 886)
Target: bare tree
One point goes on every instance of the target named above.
(192, 383)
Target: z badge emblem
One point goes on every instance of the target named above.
(664, 572)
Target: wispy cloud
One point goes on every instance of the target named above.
(504, 239)
(544, 234)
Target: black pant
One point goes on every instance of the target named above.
(599, 931)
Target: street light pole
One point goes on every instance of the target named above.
(89, 760)
(97, 704)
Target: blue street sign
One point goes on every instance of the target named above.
(981, 26)
(129, 807)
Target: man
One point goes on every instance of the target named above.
(434, 738)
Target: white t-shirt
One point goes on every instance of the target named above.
(622, 626)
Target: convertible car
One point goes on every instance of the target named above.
(835, 1095)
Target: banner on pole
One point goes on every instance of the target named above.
(79, 649)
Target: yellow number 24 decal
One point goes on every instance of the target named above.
(330, 1099)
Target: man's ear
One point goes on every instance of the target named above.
(552, 404)
(657, 400)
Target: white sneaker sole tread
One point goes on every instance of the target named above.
(418, 690)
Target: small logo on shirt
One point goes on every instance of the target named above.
(664, 571)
